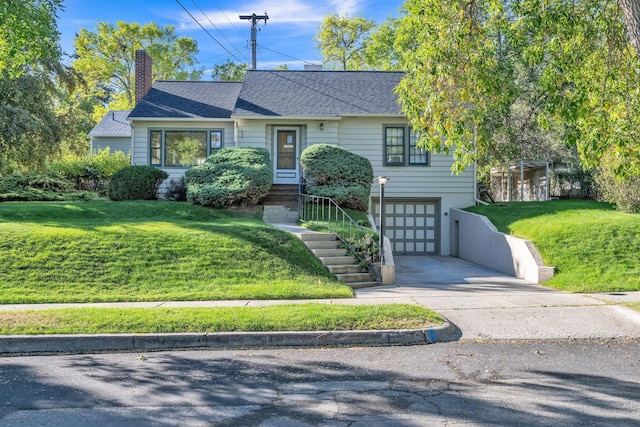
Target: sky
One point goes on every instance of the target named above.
(287, 38)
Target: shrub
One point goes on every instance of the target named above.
(339, 174)
(230, 177)
(176, 190)
(40, 188)
(91, 172)
(353, 196)
(623, 191)
(326, 164)
(136, 183)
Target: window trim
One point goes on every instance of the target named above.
(163, 147)
(407, 146)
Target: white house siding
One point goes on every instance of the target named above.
(140, 135)
(115, 143)
(364, 136)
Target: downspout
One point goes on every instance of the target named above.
(475, 174)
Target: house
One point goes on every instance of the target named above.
(113, 131)
(177, 124)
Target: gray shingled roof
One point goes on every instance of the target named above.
(188, 99)
(318, 93)
(114, 123)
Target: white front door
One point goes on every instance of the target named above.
(286, 155)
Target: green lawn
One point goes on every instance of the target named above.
(593, 247)
(291, 317)
(149, 251)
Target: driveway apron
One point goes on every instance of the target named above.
(485, 304)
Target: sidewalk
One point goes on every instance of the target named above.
(478, 303)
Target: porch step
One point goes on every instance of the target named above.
(282, 195)
(345, 268)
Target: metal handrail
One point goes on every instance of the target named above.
(325, 212)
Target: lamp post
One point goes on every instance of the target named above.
(382, 180)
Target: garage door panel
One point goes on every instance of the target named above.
(412, 225)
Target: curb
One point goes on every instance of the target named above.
(20, 345)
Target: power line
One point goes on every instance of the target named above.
(214, 26)
(228, 20)
(208, 33)
(288, 56)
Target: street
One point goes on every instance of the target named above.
(552, 382)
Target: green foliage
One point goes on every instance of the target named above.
(151, 251)
(91, 172)
(621, 189)
(285, 317)
(342, 40)
(230, 177)
(28, 35)
(481, 73)
(229, 72)
(339, 174)
(136, 183)
(39, 188)
(176, 190)
(572, 184)
(380, 52)
(593, 247)
(106, 58)
(29, 129)
(351, 196)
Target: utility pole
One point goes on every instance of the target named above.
(254, 33)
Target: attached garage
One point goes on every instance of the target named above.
(411, 224)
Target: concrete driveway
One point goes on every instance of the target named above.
(485, 304)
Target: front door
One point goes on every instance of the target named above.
(286, 156)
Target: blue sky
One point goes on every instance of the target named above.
(288, 37)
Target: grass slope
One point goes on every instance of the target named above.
(593, 247)
(149, 251)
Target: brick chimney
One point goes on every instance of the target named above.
(143, 74)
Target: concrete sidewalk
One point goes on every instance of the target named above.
(478, 303)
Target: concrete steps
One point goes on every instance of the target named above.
(282, 195)
(346, 268)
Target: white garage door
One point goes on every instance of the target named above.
(412, 225)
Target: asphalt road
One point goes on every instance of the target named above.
(564, 382)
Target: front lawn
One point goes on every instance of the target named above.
(593, 247)
(150, 251)
(290, 317)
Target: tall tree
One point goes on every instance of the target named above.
(106, 58)
(229, 71)
(568, 64)
(342, 40)
(29, 70)
(28, 35)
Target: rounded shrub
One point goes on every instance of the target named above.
(136, 183)
(230, 177)
(326, 164)
(337, 173)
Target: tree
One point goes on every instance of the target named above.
(342, 41)
(28, 35)
(380, 51)
(29, 70)
(106, 59)
(29, 129)
(229, 71)
(567, 66)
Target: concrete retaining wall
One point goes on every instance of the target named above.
(474, 238)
